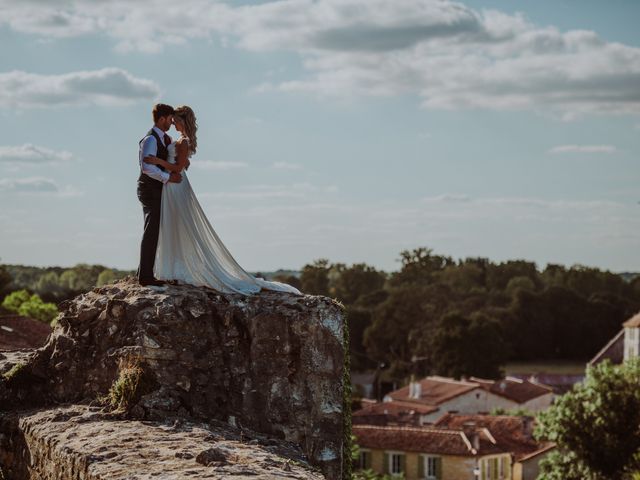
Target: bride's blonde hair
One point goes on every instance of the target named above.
(190, 125)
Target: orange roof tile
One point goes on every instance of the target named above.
(435, 390)
(515, 389)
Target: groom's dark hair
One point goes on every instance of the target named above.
(161, 110)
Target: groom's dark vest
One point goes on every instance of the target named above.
(145, 180)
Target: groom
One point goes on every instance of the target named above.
(150, 183)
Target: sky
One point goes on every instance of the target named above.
(342, 129)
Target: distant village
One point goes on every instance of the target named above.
(440, 428)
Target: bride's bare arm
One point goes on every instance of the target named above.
(182, 154)
(172, 167)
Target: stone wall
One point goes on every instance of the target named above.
(272, 362)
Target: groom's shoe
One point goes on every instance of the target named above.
(151, 281)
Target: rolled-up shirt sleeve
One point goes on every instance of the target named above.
(150, 147)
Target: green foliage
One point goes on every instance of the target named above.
(13, 371)
(32, 306)
(105, 277)
(510, 311)
(350, 283)
(461, 345)
(596, 426)
(347, 447)
(314, 278)
(128, 388)
(13, 301)
(516, 412)
(5, 279)
(55, 284)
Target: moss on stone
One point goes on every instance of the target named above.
(130, 385)
(13, 371)
(346, 403)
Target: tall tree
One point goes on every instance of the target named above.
(315, 277)
(596, 426)
(465, 346)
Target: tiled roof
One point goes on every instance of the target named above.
(384, 413)
(633, 321)
(435, 390)
(423, 440)
(515, 389)
(512, 433)
(544, 449)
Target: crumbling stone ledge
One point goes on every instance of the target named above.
(79, 443)
(271, 362)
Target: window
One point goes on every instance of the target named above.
(492, 468)
(430, 467)
(396, 463)
(364, 461)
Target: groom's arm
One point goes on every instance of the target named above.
(150, 148)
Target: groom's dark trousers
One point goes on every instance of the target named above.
(151, 200)
(150, 196)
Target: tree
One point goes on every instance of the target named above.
(13, 301)
(32, 306)
(465, 346)
(596, 426)
(357, 280)
(397, 323)
(314, 278)
(519, 283)
(105, 277)
(419, 266)
(48, 283)
(5, 278)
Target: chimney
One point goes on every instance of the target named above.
(471, 432)
(415, 389)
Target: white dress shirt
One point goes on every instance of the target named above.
(149, 146)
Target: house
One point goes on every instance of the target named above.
(457, 447)
(394, 412)
(472, 395)
(623, 346)
(527, 467)
(561, 383)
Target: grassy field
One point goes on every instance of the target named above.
(553, 366)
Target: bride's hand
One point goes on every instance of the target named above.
(151, 159)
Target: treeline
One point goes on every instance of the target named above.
(437, 315)
(55, 284)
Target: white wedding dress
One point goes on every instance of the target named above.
(189, 250)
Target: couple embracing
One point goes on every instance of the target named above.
(179, 245)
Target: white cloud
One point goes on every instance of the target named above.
(107, 87)
(28, 185)
(448, 54)
(287, 166)
(583, 149)
(263, 191)
(29, 154)
(37, 186)
(217, 165)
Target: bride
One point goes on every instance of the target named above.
(189, 250)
